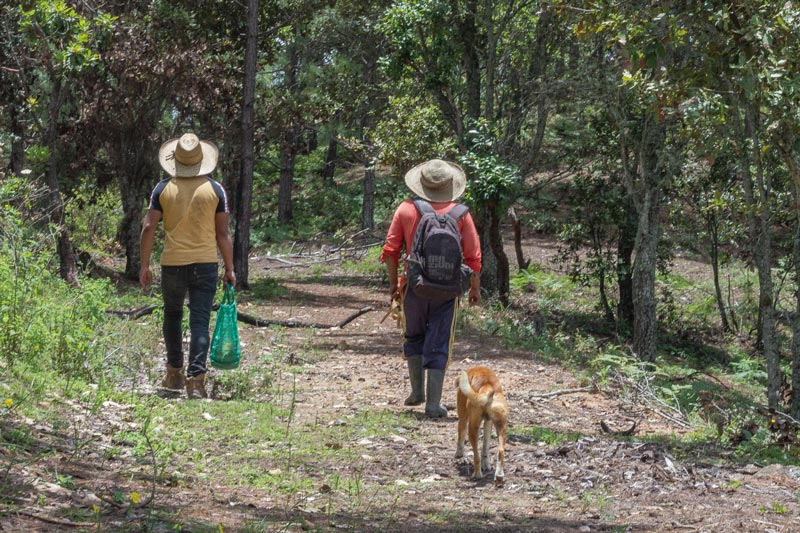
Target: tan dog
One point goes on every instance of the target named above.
(481, 399)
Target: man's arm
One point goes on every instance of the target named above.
(149, 226)
(392, 266)
(225, 245)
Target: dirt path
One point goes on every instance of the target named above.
(408, 480)
(595, 483)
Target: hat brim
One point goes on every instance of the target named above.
(166, 157)
(447, 194)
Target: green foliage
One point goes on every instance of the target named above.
(550, 289)
(267, 289)
(94, 216)
(491, 178)
(411, 130)
(68, 39)
(369, 265)
(44, 323)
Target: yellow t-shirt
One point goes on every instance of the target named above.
(188, 208)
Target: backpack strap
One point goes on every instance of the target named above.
(456, 212)
(423, 206)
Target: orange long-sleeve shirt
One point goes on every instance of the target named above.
(404, 224)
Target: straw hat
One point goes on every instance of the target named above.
(437, 180)
(188, 156)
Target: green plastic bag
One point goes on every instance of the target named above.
(225, 350)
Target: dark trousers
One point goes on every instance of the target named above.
(429, 329)
(200, 281)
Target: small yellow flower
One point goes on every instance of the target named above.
(135, 498)
(8, 403)
(219, 528)
(96, 509)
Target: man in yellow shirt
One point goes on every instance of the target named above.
(194, 209)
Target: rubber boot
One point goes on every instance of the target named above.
(195, 387)
(434, 394)
(173, 379)
(417, 377)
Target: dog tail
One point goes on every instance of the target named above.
(481, 399)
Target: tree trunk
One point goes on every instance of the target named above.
(501, 260)
(794, 409)
(625, 246)
(488, 260)
(472, 72)
(650, 177)
(522, 263)
(244, 190)
(130, 227)
(757, 197)
(288, 150)
(714, 253)
(68, 266)
(329, 168)
(17, 158)
(368, 207)
(644, 278)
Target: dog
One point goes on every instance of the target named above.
(481, 399)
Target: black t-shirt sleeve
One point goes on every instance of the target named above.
(155, 196)
(222, 206)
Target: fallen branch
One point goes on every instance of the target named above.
(253, 320)
(56, 521)
(136, 313)
(260, 322)
(560, 392)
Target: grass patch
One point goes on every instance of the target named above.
(543, 435)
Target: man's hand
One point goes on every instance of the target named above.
(474, 296)
(145, 276)
(230, 277)
(474, 289)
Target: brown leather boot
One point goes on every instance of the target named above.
(195, 387)
(173, 379)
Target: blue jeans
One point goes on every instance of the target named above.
(429, 327)
(200, 281)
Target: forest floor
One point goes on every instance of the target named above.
(406, 478)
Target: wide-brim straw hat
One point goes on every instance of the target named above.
(188, 156)
(437, 180)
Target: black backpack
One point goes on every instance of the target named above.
(436, 269)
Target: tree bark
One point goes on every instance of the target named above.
(713, 232)
(488, 260)
(647, 199)
(244, 189)
(68, 266)
(644, 279)
(501, 259)
(625, 247)
(329, 169)
(288, 152)
(794, 408)
(522, 263)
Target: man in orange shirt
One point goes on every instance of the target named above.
(429, 323)
(194, 208)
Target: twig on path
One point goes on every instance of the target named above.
(56, 521)
(561, 392)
